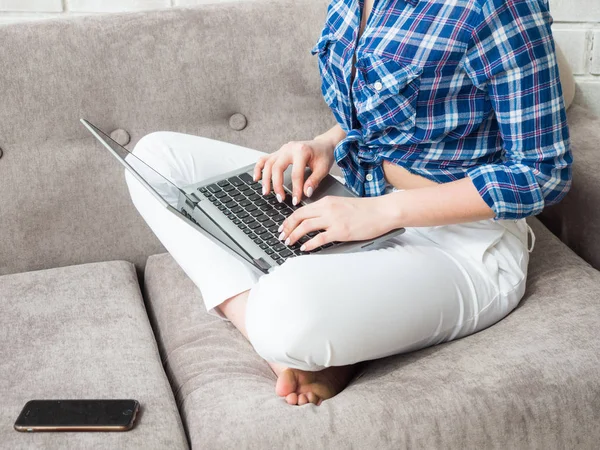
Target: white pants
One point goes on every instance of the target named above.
(426, 286)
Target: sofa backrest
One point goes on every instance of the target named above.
(63, 198)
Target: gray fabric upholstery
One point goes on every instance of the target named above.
(530, 381)
(82, 332)
(576, 220)
(186, 70)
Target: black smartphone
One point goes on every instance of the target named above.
(77, 415)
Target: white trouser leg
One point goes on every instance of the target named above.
(424, 287)
(418, 289)
(186, 159)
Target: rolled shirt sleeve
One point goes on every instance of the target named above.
(512, 56)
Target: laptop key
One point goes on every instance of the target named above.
(254, 197)
(254, 225)
(235, 181)
(256, 213)
(252, 236)
(243, 188)
(268, 223)
(280, 261)
(279, 247)
(263, 246)
(260, 231)
(278, 218)
(260, 202)
(285, 253)
(250, 208)
(228, 188)
(258, 240)
(268, 251)
(213, 188)
(273, 241)
(220, 194)
(237, 210)
(237, 221)
(262, 218)
(265, 208)
(245, 203)
(203, 190)
(242, 226)
(222, 208)
(248, 219)
(242, 214)
(246, 178)
(247, 231)
(271, 212)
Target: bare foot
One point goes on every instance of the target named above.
(300, 387)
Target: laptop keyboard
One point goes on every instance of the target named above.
(258, 216)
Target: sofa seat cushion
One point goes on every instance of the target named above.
(530, 381)
(82, 332)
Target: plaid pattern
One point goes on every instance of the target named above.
(449, 89)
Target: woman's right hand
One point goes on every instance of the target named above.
(316, 154)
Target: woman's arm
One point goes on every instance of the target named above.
(443, 204)
(333, 136)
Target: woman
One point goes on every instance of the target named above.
(451, 123)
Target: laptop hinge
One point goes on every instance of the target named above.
(262, 263)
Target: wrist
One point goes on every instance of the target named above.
(326, 140)
(391, 210)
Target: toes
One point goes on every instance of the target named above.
(292, 399)
(312, 398)
(302, 400)
(286, 383)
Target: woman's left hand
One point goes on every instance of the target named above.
(342, 218)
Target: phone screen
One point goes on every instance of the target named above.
(77, 413)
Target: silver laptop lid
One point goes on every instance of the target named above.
(137, 166)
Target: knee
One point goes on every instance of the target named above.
(283, 320)
(152, 144)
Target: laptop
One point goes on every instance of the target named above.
(230, 210)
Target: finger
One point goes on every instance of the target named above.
(320, 239)
(314, 224)
(266, 175)
(259, 166)
(298, 176)
(294, 219)
(278, 169)
(302, 400)
(318, 173)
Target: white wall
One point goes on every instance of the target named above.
(576, 29)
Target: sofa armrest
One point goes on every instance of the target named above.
(576, 219)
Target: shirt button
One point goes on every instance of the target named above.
(378, 85)
(369, 177)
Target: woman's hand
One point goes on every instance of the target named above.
(316, 154)
(342, 218)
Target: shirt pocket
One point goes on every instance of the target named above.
(386, 93)
(323, 48)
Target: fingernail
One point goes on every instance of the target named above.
(281, 236)
(280, 229)
(294, 201)
(309, 191)
(287, 241)
(264, 190)
(303, 247)
(279, 198)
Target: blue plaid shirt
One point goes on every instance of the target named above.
(448, 90)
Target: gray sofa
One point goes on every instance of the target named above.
(93, 307)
